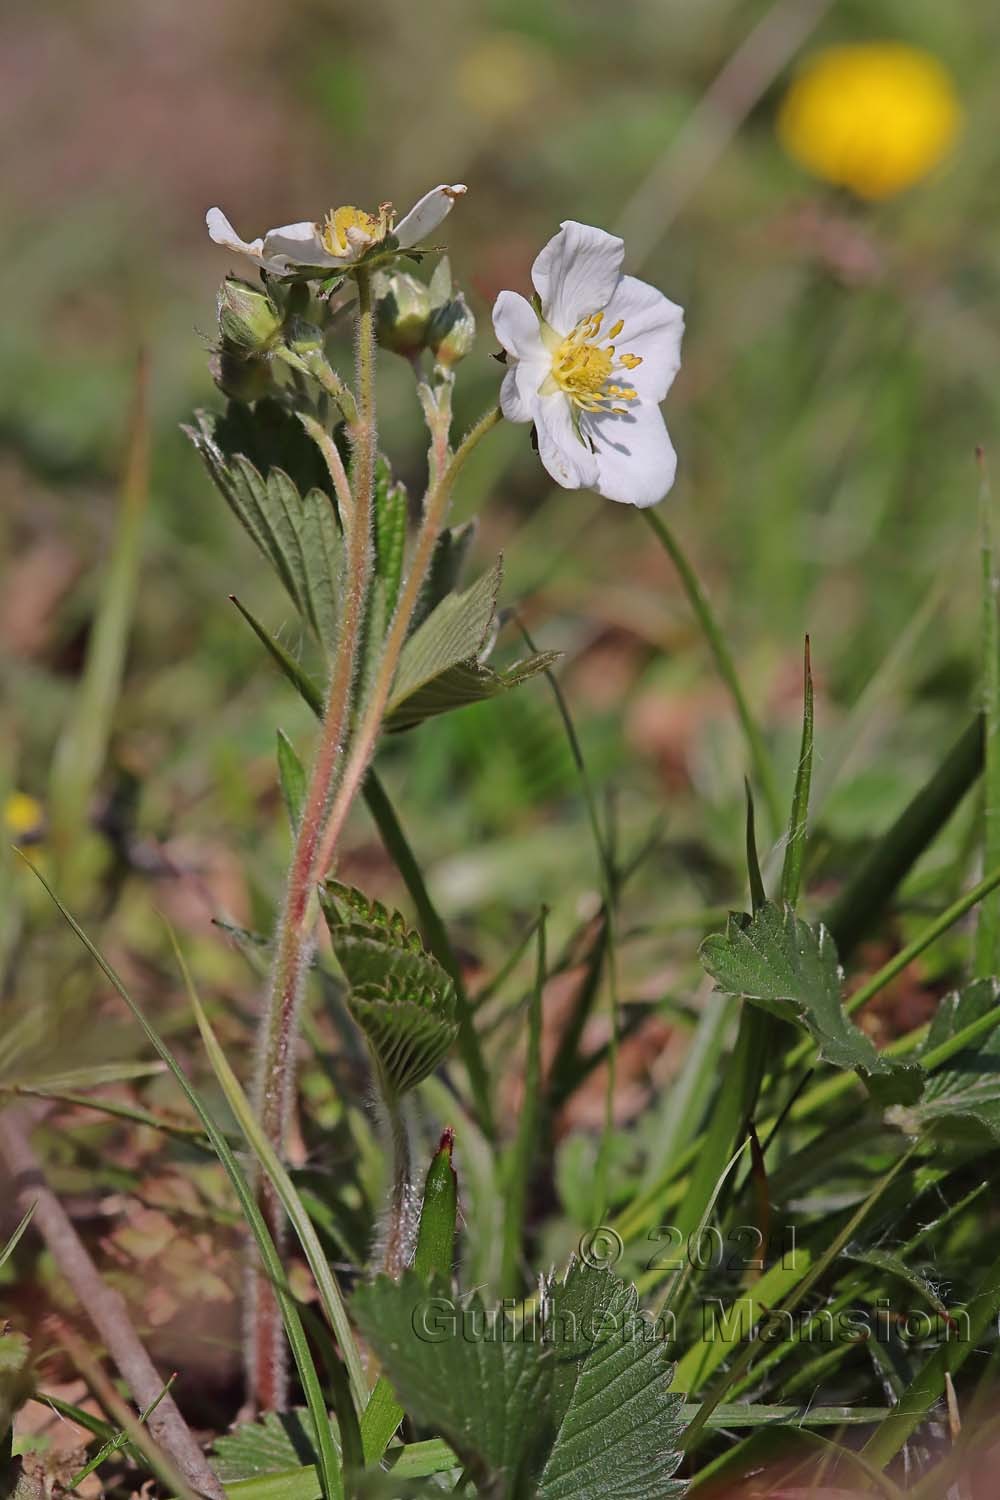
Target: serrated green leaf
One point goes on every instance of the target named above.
(276, 1442)
(576, 1406)
(390, 532)
(458, 686)
(619, 1429)
(296, 531)
(778, 962)
(441, 665)
(961, 1099)
(456, 631)
(351, 905)
(450, 554)
(399, 995)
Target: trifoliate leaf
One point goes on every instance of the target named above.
(576, 1406)
(399, 995)
(441, 667)
(778, 962)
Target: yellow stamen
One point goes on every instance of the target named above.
(582, 366)
(367, 229)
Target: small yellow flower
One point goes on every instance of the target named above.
(875, 117)
(22, 816)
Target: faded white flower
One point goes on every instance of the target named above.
(345, 235)
(589, 364)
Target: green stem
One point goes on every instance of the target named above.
(294, 941)
(759, 757)
(435, 511)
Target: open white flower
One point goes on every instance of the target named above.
(591, 366)
(345, 235)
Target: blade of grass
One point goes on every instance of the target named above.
(326, 1282)
(869, 891)
(329, 1462)
(760, 759)
(12, 1243)
(609, 891)
(522, 1153)
(114, 1444)
(80, 754)
(795, 849)
(987, 960)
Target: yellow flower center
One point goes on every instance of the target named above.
(350, 231)
(583, 364)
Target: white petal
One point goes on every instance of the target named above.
(222, 232)
(635, 458)
(653, 329)
(425, 215)
(300, 245)
(565, 456)
(519, 398)
(576, 273)
(515, 324)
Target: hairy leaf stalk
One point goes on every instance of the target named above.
(294, 940)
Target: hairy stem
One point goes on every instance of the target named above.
(399, 1232)
(294, 942)
(435, 511)
(103, 1306)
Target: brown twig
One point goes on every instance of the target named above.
(103, 1306)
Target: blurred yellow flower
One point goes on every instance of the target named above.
(22, 815)
(874, 117)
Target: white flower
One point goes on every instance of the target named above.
(343, 237)
(591, 366)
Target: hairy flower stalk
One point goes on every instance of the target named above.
(294, 942)
(435, 513)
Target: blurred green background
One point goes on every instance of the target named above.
(840, 367)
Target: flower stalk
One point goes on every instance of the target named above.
(366, 738)
(294, 942)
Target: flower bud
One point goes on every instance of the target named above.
(248, 319)
(451, 332)
(245, 378)
(402, 308)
